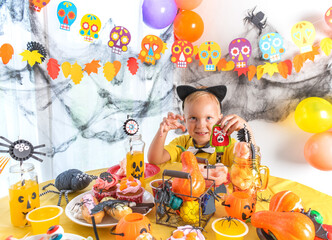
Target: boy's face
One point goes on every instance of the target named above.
(200, 116)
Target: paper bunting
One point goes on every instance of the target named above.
(300, 59)
(35, 53)
(76, 73)
(66, 68)
(223, 65)
(53, 68)
(132, 65)
(37, 5)
(90, 27)
(67, 13)
(181, 53)
(152, 48)
(119, 39)
(6, 52)
(285, 68)
(303, 35)
(271, 45)
(209, 55)
(240, 51)
(92, 66)
(109, 71)
(117, 66)
(326, 45)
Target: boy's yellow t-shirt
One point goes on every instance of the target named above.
(186, 141)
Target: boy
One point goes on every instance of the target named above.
(202, 110)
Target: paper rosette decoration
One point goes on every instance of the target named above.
(181, 53)
(152, 48)
(209, 55)
(90, 27)
(119, 39)
(67, 13)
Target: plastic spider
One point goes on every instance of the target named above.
(21, 150)
(256, 19)
(162, 198)
(263, 199)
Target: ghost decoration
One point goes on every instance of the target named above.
(152, 48)
(181, 53)
(271, 45)
(303, 35)
(67, 13)
(209, 55)
(90, 27)
(119, 39)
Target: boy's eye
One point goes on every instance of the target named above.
(209, 118)
(192, 118)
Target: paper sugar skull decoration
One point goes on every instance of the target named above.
(152, 48)
(181, 53)
(271, 45)
(209, 55)
(119, 39)
(328, 17)
(90, 27)
(67, 13)
(240, 52)
(219, 140)
(37, 5)
(303, 35)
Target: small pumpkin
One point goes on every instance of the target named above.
(285, 201)
(240, 205)
(131, 226)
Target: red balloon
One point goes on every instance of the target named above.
(318, 151)
(188, 25)
(188, 4)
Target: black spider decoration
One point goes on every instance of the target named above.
(256, 19)
(21, 150)
(317, 220)
(31, 46)
(244, 135)
(264, 199)
(162, 199)
(69, 181)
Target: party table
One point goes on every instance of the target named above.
(310, 198)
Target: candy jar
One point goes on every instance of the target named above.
(23, 192)
(246, 173)
(135, 157)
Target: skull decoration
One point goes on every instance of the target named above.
(152, 47)
(209, 55)
(218, 139)
(181, 53)
(271, 45)
(328, 17)
(240, 52)
(119, 39)
(67, 13)
(38, 4)
(303, 35)
(90, 26)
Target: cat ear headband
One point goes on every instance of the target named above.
(219, 91)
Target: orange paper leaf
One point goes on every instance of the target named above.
(221, 64)
(66, 68)
(92, 66)
(283, 69)
(260, 71)
(53, 68)
(109, 71)
(6, 52)
(298, 62)
(289, 66)
(132, 65)
(117, 66)
(76, 73)
(251, 72)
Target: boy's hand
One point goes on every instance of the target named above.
(171, 122)
(231, 123)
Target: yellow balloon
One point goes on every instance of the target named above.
(314, 115)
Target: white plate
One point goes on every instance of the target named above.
(65, 235)
(108, 221)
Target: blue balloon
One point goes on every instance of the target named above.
(159, 14)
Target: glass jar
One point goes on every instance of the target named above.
(23, 192)
(135, 157)
(247, 175)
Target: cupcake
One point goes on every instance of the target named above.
(187, 232)
(130, 189)
(105, 186)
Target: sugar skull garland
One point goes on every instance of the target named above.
(209, 55)
(240, 52)
(67, 13)
(271, 45)
(119, 39)
(181, 53)
(37, 5)
(90, 27)
(152, 48)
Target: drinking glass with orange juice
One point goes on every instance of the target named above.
(23, 192)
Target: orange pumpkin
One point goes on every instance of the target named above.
(180, 185)
(285, 201)
(240, 205)
(131, 226)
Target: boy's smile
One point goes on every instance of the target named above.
(200, 116)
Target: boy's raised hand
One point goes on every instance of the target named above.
(231, 123)
(171, 122)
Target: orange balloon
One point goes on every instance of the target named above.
(318, 151)
(188, 25)
(187, 4)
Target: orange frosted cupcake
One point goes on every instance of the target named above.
(105, 186)
(130, 189)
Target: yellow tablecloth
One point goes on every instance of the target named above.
(311, 199)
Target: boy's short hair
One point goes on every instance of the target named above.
(188, 93)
